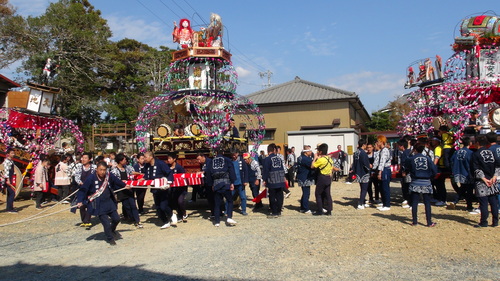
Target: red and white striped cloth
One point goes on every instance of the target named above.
(179, 180)
(394, 168)
(156, 182)
(187, 179)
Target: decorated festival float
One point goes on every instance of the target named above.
(194, 114)
(469, 82)
(30, 126)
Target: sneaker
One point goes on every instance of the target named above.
(12, 212)
(494, 225)
(451, 206)
(440, 203)
(380, 205)
(272, 216)
(480, 225)
(287, 195)
(45, 203)
(39, 208)
(244, 213)
(230, 221)
(165, 226)
(475, 211)
(413, 224)
(318, 213)
(324, 210)
(367, 205)
(404, 202)
(139, 225)
(111, 242)
(348, 182)
(174, 219)
(383, 209)
(85, 224)
(65, 202)
(361, 207)
(308, 212)
(185, 218)
(406, 206)
(432, 224)
(217, 225)
(433, 200)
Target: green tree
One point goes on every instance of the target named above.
(137, 75)
(380, 122)
(74, 35)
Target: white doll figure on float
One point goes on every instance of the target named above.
(46, 71)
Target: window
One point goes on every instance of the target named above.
(269, 135)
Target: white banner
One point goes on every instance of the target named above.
(489, 65)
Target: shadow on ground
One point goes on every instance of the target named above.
(440, 217)
(23, 271)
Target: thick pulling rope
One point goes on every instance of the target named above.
(38, 215)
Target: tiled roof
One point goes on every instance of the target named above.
(9, 82)
(299, 90)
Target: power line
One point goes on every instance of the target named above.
(249, 61)
(171, 10)
(173, 1)
(195, 13)
(154, 14)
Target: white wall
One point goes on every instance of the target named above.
(331, 137)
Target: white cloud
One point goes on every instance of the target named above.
(30, 7)
(242, 72)
(150, 33)
(319, 46)
(375, 89)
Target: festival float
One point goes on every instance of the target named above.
(469, 81)
(194, 112)
(30, 126)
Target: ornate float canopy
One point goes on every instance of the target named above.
(39, 133)
(200, 94)
(469, 81)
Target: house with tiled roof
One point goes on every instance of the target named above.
(5, 85)
(304, 106)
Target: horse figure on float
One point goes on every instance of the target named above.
(49, 71)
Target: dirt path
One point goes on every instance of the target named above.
(351, 244)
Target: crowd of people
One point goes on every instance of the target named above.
(424, 164)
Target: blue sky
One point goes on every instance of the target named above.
(363, 46)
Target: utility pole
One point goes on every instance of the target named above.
(268, 74)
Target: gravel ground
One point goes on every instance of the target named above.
(351, 244)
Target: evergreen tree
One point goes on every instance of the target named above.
(75, 36)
